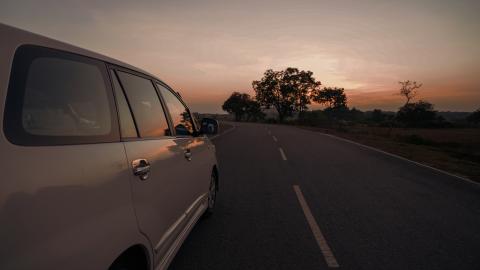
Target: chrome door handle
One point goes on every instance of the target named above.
(141, 168)
(188, 155)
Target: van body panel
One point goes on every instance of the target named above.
(71, 202)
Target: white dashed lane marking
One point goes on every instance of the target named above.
(317, 233)
(282, 154)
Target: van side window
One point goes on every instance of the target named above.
(127, 126)
(58, 98)
(181, 119)
(146, 106)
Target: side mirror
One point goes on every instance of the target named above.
(209, 126)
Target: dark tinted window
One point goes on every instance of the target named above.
(181, 118)
(65, 98)
(127, 126)
(145, 104)
(58, 98)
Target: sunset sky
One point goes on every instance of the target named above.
(208, 49)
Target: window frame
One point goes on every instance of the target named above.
(12, 121)
(152, 80)
(113, 71)
(195, 128)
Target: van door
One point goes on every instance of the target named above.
(196, 147)
(158, 166)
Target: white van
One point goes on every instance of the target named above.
(103, 165)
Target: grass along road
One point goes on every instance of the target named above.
(453, 150)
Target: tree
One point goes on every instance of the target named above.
(474, 117)
(418, 114)
(241, 104)
(333, 97)
(287, 91)
(409, 89)
(254, 111)
(236, 104)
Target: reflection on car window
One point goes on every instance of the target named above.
(146, 106)
(65, 98)
(181, 118)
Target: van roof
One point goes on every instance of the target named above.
(23, 37)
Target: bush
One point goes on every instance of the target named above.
(271, 121)
(416, 139)
(419, 114)
(313, 118)
(474, 118)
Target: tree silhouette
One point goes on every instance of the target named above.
(254, 111)
(241, 104)
(287, 91)
(409, 89)
(333, 97)
(417, 114)
(236, 104)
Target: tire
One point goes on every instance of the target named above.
(132, 259)
(120, 267)
(212, 195)
(122, 264)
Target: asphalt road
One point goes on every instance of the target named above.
(373, 211)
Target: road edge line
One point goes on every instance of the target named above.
(223, 133)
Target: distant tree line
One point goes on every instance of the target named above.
(290, 91)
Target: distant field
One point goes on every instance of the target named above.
(453, 150)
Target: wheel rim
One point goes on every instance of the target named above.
(212, 194)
